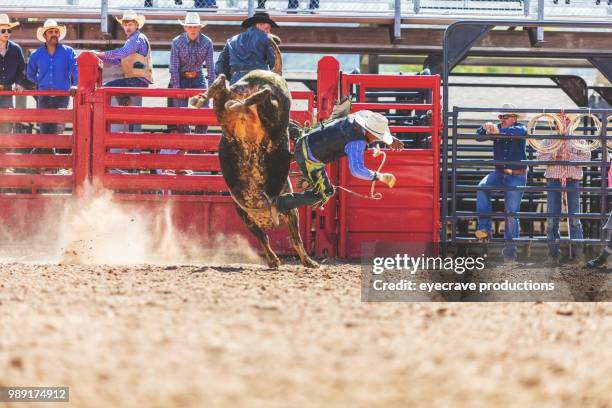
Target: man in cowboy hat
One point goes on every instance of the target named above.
(505, 175)
(53, 66)
(348, 136)
(188, 53)
(12, 67)
(249, 50)
(134, 57)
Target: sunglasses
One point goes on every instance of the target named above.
(5, 30)
(506, 116)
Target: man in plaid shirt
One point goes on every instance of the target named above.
(189, 52)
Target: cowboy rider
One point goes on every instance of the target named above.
(348, 136)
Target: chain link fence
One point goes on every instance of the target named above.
(443, 8)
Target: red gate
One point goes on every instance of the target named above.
(410, 211)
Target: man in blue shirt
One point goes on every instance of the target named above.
(348, 136)
(511, 175)
(249, 50)
(52, 67)
(12, 67)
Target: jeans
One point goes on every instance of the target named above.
(52, 102)
(553, 205)
(320, 190)
(196, 83)
(512, 204)
(6, 102)
(126, 100)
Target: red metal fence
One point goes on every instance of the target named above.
(104, 150)
(409, 212)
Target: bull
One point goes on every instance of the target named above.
(254, 151)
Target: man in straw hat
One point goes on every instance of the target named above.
(505, 175)
(249, 50)
(53, 66)
(134, 57)
(348, 136)
(188, 53)
(12, 67)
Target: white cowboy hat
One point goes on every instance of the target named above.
(509, 109)
(376, 124)
(49, 24)
(4, 21)
(192, 19)
(130, 15)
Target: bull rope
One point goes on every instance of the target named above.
(373, 196)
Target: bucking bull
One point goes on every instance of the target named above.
(254, 151)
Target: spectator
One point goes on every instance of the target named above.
(12, 67)
(513, 175)
(53, 66)
(189, 52)
(249, 50)
(556, 176)
(134, 57)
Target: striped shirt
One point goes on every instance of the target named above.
(137, 42)
(187, 55)
(558, 171)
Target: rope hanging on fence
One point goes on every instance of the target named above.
(585, 145)
(553, 122)
(373, 196)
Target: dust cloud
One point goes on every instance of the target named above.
(97, 230)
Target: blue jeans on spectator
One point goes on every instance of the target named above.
(126, 100)
(553, 206)
(6, 102)
(512, 204)
(196, 83)
(51, 102)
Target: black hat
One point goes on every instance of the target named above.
(259, 17)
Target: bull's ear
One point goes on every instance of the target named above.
(258, 97)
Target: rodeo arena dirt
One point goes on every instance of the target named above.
(325, 204)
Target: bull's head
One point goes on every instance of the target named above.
(250, 119)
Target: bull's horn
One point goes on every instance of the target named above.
(258, 97)
(233, 105)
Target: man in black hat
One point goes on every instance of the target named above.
(249, 50)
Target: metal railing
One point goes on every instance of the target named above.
(535, 9)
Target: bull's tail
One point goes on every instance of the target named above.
(278, 58)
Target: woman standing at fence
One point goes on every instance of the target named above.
(567, 176)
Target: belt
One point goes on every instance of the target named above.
(515, 171)
(190, 74)
(236, 71)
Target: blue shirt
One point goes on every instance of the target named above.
(137, 42)
(12, 65)
(187, 55)
(245, 52)
(57, 71)
(507, 149)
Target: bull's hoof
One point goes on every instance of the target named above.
(309, 263)
(199, 101)
(273, 262)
